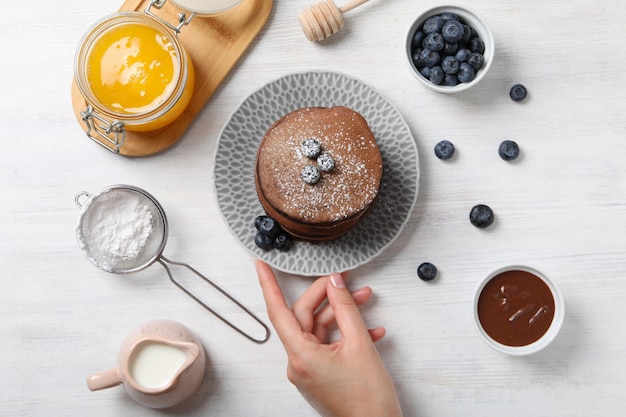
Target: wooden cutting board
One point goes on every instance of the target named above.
(215, 44)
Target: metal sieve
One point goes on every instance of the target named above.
(123, 229)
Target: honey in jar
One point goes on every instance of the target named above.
(132, 69)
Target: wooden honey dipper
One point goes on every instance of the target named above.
(324, 19)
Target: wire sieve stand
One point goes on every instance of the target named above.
(164, 261)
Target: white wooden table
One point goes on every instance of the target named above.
(561, 208)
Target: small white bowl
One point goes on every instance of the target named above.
(468, 17)
(548, 336)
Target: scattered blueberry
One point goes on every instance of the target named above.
(466, 73)
(508, 150)
(433, 25)
(452, 31)
(446, 41)
(269, 227)
(450, 65)
(518, 92)
(436, 75)
(282, 241)
(263, 241)
(427, 271)
(325, 163)
(310, 174)
(311, 148)
(444, 150)
(481, 216)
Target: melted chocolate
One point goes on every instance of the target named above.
(516, 308)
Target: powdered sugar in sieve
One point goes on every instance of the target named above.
(121, 229)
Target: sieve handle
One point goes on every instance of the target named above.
(164, 261)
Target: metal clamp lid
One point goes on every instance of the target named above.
(109, 134)
(182, 17)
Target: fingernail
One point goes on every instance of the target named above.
(337, 280)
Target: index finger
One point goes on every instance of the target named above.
(281, 316)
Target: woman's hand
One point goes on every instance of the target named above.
(343, 378)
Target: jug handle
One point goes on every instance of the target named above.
(105, 379)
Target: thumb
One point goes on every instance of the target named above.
(347, 313)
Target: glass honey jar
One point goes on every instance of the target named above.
(133, 73)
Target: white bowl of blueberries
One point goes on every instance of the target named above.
(449, 48)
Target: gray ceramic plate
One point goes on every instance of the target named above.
(235, 159)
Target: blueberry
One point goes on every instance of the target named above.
(477, 45)
(434, 42)
(416, 57)
(463, 55)
(263, 241)
(481, 216)
(518, 92)
(433, 25)
(325, 163)
(467, 34)
(428, 58)
(450, 48)
(310, 174)
(427, 271)
(418, 38)
(269, 227)
(425, 71)
(450, 80)
(436, 75)
(282, 241)
(452, 31)
(476, 60)
(473, 33)
(258, 220)
(447, 16)
(450, 65)
(444, 149)
(508, 150)
(466, 72)
(311, 147)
